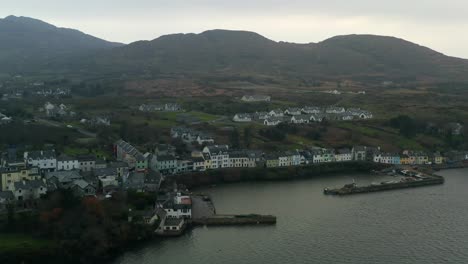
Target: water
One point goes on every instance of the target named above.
(422, 225)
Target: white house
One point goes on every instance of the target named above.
(276, 113)
(272, 121)
(317, 117)
(219, 155)
(260, 115)
(179, 206)
(300, 119)
(359, 153)
(199, 163)
(44, 160)
(87, 163)
(346, 116)
(343, 155)
(65, 162)
(292, 111)
(204, 139)
(242, 118)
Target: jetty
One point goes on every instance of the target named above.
(204, 213)
(411, 179)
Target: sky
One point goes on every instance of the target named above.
(437, 24)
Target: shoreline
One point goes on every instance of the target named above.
(208, 178)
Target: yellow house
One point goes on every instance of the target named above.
(17, 174)
(208, 162)
(438, 158)
(405, 160)
(272, 161)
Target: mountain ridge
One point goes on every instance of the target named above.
(221, 52)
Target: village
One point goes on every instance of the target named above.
(23, 181)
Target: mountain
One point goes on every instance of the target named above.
(32, 46)
(232, 53)
(27, 42)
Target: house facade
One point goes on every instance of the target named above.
(65, 162)
(219, 156)
(44, 160)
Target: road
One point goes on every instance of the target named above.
(58, 124)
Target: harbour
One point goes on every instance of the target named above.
(394, 227)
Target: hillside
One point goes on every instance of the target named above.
(33, 46)
(28, 43)
(230, 53)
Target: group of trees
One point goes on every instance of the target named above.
(84, 230)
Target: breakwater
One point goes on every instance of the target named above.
(386, 186)
(249, 219)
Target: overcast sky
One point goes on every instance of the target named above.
(439, 24)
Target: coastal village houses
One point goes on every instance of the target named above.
(129, 154)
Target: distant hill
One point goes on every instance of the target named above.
(225, 53)
(29, 43)
(32, 45)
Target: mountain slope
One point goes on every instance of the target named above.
(32, 46)
(221, 52)
(27, 42)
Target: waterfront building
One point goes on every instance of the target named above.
(45, 160)
(65, 162)
(11, 174)
(219, 156)
(343, 155)
(129, 154)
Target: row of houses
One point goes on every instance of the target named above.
(24, 180)
(303, 115)
(48, 161)
(168, 107)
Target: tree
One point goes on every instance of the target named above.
(235, 138)
(247, 136)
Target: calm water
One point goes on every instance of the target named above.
(423, 225)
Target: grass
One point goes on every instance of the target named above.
(12, 243)
(75, 151)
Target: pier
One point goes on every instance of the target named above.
(204, 213)
(412, 179)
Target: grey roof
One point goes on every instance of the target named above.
(218, 148)
(129, 149)
(118, 164)
(47, 154)
(344, 151)
(81, 183)
(65, 157)
(7, 195)
(63, 176)
(359, 148)
(33, 184)
(173, 221)
(105, 172)
(165, 158)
